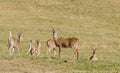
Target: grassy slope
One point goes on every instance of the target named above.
(95, 22)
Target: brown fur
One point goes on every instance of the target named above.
(13, 42)
(35, 48)
(51, 45)
(66, 43)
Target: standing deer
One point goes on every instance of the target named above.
(93, 57)
(66, 43)
(14, 43)
(34, 48)
(51, 45)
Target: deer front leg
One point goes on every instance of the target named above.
(60, 52)
(76, 52)
(54, 50)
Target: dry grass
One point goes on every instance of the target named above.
(95, 22)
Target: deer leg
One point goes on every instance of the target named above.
(9, 44)
(77, 52)
(54, 50)
(60, 52)
(18, 51)
(33, 53)
(10, 49)
(38, 52)
(48, 50)
(75, 47)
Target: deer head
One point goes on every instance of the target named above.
(20, 38)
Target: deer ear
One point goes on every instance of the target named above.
(94, 50)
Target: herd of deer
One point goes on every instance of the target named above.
(56, 42)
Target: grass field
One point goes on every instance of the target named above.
(95, 22)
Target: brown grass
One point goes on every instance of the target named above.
(94, 22)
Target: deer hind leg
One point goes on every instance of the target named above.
(76, 49)
(76, 52)
(34, 53)
(18, 50)
(10, 50)
(48, 50)
(9, 44)
(38, 52)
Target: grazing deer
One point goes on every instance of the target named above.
(66, 43)
(34, 48)
(51, 45)
(93, 57)
(14, 43)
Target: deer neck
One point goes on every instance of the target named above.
(19, 39)
(38, 44)
(95, 58)
(94, 55)
(55, 38)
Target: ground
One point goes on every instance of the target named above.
(95, 22)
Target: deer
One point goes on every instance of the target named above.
(14, 42)
(34, 48)
(72, 43)
(93, 57)
(51, 46)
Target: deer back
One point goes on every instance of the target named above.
(67, 42)
(51, 43)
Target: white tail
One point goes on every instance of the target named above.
(34, 48)
(66, 43)
(51, 46)
(13, 43)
